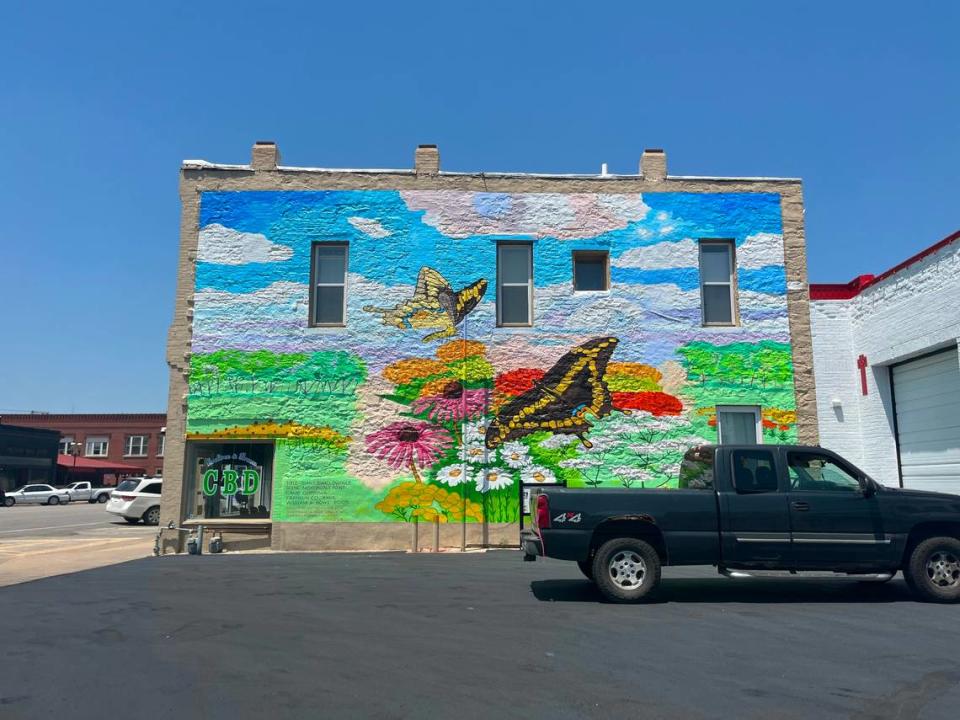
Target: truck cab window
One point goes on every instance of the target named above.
(813, 472)
(754, 471)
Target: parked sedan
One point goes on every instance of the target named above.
(37, 494)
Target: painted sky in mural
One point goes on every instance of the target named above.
(421, 408)
(262, 301)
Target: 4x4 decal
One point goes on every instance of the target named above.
(568, 517)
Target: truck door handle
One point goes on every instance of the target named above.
(800, 506)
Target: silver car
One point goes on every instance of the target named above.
(37, 494)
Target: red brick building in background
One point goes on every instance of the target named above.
(128, 438)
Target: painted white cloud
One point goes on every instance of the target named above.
(369, 226)
(760, 250)
(563, 216)
(281, 294)
(225, 246)
(661, 256)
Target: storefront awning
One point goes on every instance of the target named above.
(84, 464)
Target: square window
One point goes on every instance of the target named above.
(97, 447)
(136, 445)
(591, 270)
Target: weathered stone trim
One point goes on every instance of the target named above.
(798, 312)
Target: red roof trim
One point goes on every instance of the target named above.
(81, 464)
(846, 291)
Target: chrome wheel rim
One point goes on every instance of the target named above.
(943, 569)
(627, 569)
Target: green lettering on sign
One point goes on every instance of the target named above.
(210, 478)
(246, 483)
(251, 482)
(229, 482)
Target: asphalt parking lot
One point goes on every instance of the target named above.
(475, 636)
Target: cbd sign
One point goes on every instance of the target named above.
(231, 482)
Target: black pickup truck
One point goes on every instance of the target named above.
(749, 509)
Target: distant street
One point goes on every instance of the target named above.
(39, 540)
(358, 635)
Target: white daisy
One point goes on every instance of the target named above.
(476, 431)
(452, 475)
(475, 452)
(515, 454)
(536, 474)
(493, 479)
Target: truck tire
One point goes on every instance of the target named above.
(626, 570)
(586, 567)
(103, 498)
(933, 570)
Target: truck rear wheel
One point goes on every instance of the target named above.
(626, 570)
(933, 570)
(102, 498)
(586, 567)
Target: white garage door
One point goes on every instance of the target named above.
(927, 394)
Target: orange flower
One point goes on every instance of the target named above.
(459, 349)
(637, 370)
(404, 371)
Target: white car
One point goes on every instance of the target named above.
(137, 499)
(39, 494)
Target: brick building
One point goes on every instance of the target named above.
(358, 353)
(123, 439)
(887, 369)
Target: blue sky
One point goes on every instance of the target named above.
(102, 101)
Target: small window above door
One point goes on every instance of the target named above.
(739, 425)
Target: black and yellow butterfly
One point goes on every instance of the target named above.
(559, 402)
(434, 305)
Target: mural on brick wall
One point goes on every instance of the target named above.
(421, 407)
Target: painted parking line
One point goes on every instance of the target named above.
(51, 527)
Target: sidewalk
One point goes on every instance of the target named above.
(28, 559)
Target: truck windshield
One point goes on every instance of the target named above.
(696, 469)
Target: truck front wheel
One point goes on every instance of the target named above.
(933, 570)
(626, 570)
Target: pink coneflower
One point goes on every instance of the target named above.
(409, 444)
(454, 404)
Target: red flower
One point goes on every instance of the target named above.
(769, 424)
(655, 403)
(517, 382)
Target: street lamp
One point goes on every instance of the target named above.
(73, 448)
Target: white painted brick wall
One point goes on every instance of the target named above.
(912, 312)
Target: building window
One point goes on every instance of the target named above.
(161, 441)
(329, 285)
(591, 270)
(158, 473)
(739, 425)
(515, 284)
(65, 442)
(228, 480)
(136, 445)
(717, 287)
(97, 447)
